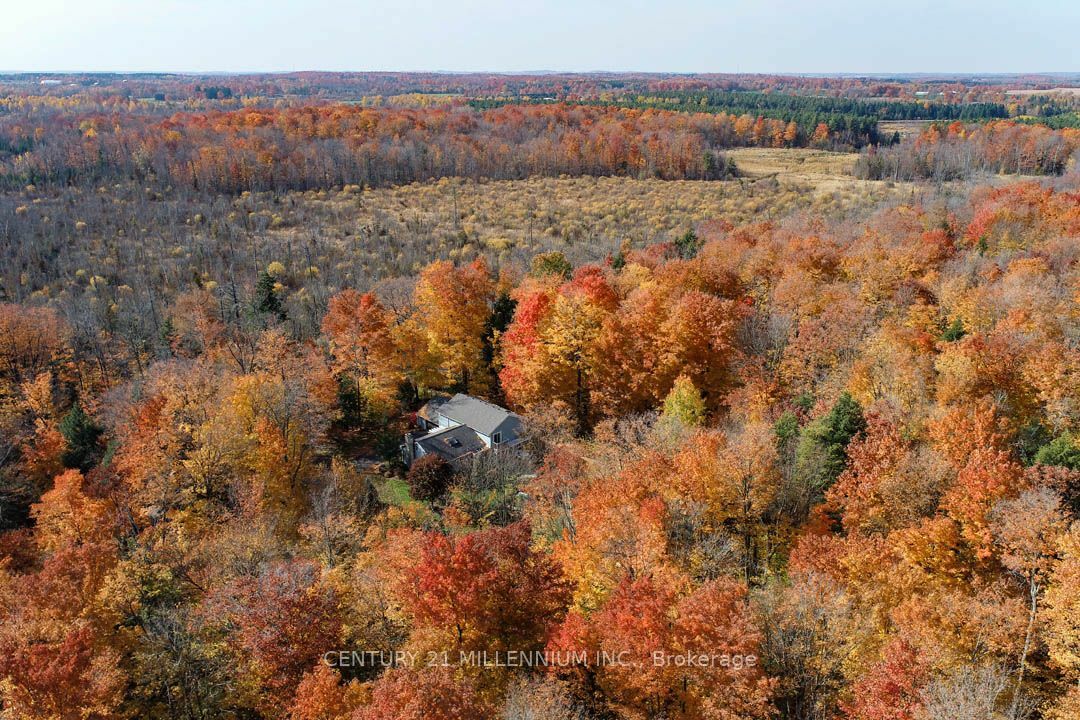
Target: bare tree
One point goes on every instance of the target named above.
(971, 693)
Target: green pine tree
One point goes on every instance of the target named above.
(955, 331)
(688, 244)
(502, 313)
(81, 435)
(821, 454)
(266, 299)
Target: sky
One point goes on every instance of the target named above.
(764, 36)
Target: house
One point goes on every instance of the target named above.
(458, 427)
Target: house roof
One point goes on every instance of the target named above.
(430, 410)
(483, 417)
(451, 443)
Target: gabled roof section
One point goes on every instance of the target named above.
(451, 443)
(481, 416)
(430, 410)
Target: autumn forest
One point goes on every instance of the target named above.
(796, 362)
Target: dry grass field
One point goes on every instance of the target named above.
(586, 217)
(792, 163)
(1074, 91)
(368, 235)
(350, 236)
(906, 128)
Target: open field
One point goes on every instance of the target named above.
(586, 218)
(1073, 91)
(819, 172)
(906, 128)
(336, 238)
(792, 163)
(355, 238)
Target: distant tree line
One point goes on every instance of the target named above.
(1057, 121)
(851, 122)
(795, 104)
(563, 86)
(956, 151)
(334, 145)
(843, 131)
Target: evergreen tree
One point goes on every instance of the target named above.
(786, 428)
(81, 435)
(955, 331)
(167, 335)
(821, 454)
(688, 245)
(502, 313)
(551, 263)
(266, 299)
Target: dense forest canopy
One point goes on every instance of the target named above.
(302, 148)
(801, 426)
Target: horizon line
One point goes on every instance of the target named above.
(685, 73)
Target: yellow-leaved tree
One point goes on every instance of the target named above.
(454, 306)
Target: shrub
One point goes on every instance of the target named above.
(1061, 451)
(429, 477)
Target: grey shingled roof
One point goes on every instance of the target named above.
(430, 410)
(483, 417)
(452, 442)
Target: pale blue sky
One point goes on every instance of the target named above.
(676, 35)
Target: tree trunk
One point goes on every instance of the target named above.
(1033, 589)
